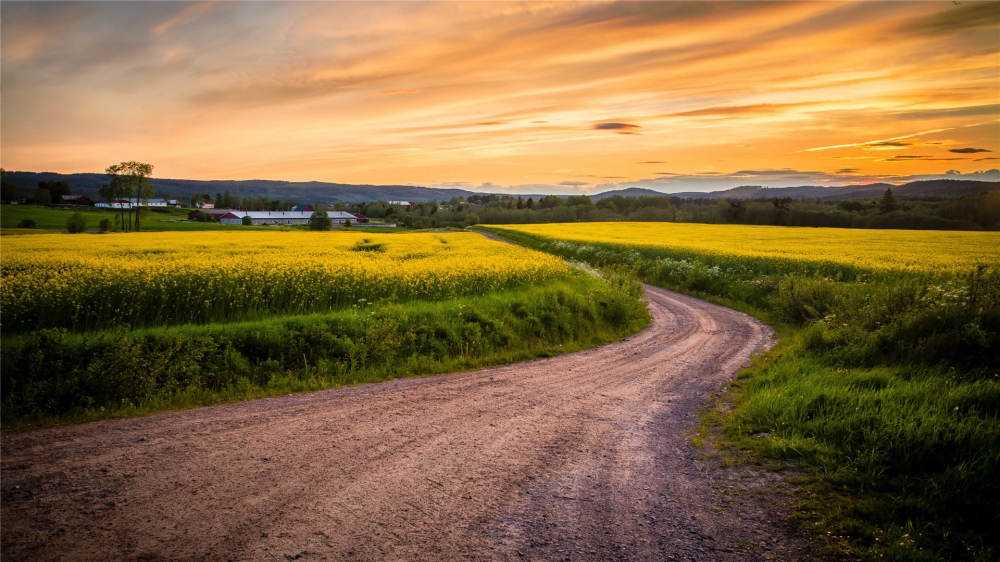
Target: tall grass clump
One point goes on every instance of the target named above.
(56, 375)
(885, 387)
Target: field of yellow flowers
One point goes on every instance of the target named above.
(898, 250)
(152, 279)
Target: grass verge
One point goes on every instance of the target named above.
(55, 376)
(884, 389)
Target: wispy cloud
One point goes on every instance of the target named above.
(620, 127)
(756, 109)
(411, 92)
(881, 142)
(400, 91)
(968, 150)
(912, 157)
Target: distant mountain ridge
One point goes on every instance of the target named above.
(302, 192)
(917, 189)
(329, 193)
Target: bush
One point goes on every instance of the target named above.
(471, 219)
(803, 299)
(104, 225)
(52, 373)
(246, 220)
(27, 223)
(202, 216)
(76, 224)
(320, 221)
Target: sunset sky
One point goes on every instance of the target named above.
(506, 96)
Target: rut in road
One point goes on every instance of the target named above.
(582, 456)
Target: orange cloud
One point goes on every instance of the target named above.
(396, 92)
(498, 92)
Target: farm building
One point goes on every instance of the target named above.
(213, 214)
(205, 204)
(338, 218)
(135, 202)
(113, 204)
(148, 203)
(75, 200)
(303, 208)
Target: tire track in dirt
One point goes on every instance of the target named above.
(582, 457)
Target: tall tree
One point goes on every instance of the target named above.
(8, 191)
(887, 203)
(130, 181)
(56, 189)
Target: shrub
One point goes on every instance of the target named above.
(27, 223)
(246, 220)
(320, 221)
(76, 224)
(104, 225)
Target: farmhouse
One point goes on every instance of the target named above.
(338, 218)
(205, 204)
(75, 200)
(213, 214)
(303, 208)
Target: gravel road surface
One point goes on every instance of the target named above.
(585, 456)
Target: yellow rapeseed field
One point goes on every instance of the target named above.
(145, 279)
(911, 250)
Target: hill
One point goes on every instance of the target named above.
(629, 192)
(944, 189)
(302, 192)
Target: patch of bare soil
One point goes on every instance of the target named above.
(580, 457)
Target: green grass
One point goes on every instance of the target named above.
(55, 376)
(157, 220)
(885, 389)
(55, 218)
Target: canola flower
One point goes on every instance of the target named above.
(150, 279)
(874, 250)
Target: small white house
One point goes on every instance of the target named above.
(205, 204)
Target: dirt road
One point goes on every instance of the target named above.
(578, 457)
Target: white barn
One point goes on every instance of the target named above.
(338, 218)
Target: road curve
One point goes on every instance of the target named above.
(582, 456)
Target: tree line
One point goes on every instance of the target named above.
(972, 212)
